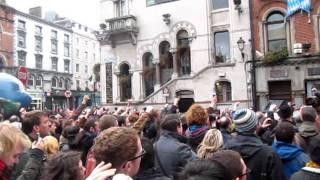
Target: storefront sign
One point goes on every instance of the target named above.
(314, 71)
(278, 73)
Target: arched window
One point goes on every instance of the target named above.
(276, 31)
(183, 52)
(39, 81)
(166, 62)
(223, 91)
(31, 81)
(54, 82)
(149, 73)
(2, 62)
(67, 83)
(125, 82)
(61, 81)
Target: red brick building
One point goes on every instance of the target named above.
(285, 78)
(6, 36)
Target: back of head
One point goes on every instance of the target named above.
(211, 142)
(245, 120)
(223, 122)
(308, 113)
(64, 165)
(196, 114)
(204, 170)
(230, 160)
(314, 149)
(32, 119)
(170, 122)
(10, 136)
(285, 132)
(116, 145)
(51, 145)
(107, 121)
(285, 111)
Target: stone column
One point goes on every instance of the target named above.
(158, 75)
(173, 51)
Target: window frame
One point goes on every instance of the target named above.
(226, 92)
(54, 59)
(39, 79)
(22, 54)
(226, 60)
(216, 9)
(157, 2)
(39, 57)
(266, 27)
(66, 66)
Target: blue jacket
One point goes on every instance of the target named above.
(292, 156)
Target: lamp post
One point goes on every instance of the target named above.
(241, 43)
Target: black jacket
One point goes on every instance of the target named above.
(306, 173)
(151, 174)
(260, 158)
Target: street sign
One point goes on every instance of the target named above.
(23, 75)
(67, 93)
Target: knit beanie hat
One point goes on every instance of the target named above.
(245, 120)
(308, 113)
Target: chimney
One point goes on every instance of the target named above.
(36, 11)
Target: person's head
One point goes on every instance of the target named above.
(245, 120)
(308, 113)
(14, 118)
(13, 142)
(196, 114)
(107, 121)
(51, 145)
(172, 123)
(211, 142)
(224, 122)
(36, 122)
(91, 126)
(232, 161)
(285, 132)
(65, 165)
(121, 147)
(314, 149)
(285, 111)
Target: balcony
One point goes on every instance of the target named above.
(116, 29)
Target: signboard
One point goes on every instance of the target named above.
(23, 75)
(67, 93)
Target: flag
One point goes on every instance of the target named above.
(295, 5)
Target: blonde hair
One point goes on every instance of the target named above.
(10, 136)
(211, 142)
(51, 145)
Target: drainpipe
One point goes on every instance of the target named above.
(253, 55)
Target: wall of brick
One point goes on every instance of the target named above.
(6, 36)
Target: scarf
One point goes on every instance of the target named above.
(5, 171)
(313, 165)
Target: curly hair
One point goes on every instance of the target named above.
(116, 145)
(211, 143)
(196, 114)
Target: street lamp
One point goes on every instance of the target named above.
(241, 43)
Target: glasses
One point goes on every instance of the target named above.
(248, 171)
(140, 155)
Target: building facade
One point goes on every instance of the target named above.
(154, 51)
(293, 74)
(86, 61)
(44, 48)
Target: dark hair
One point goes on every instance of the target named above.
(285, 132)
(64, 166)
(147, 160)
(229, 159)
(89, 124)
(122, 120)
(285, 111)
(204, 170)
(170, 122)
(31, 119)
(314, 149)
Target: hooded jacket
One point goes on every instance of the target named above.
(307, 173)
(260, 158)
(195, 134)
(292, 156)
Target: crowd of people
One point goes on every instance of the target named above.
(204, 143)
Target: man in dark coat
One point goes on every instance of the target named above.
(171, 155)
(260, 158)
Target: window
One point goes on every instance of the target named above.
(219, 4)
(22, 58)
(54, 62)
(66, 50)
(66, 38)
(67, 65)
(67, 83)
(223, 91)
(121, 8)
(85, 55)
(222, 46)
(31, 81)
(54, 82)
(280, 90)
(38, 43)
(79, 26)
(2, 62)
(38, 30)
(183, 53)
(78, 85)
(125, 82)
(77, 67)
(38, 61)
(21, 25)
(166, 62)
(85, 29)
(276, 31)
(21, 39)
(87, 85)
(154, 2)
(77, 53)
(54, 46)
(149, 74)
(39, 81)
(61, 81)
(86, 68)
(54, 34)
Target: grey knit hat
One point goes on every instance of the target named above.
(245, 120)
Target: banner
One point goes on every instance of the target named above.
(295, 5)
